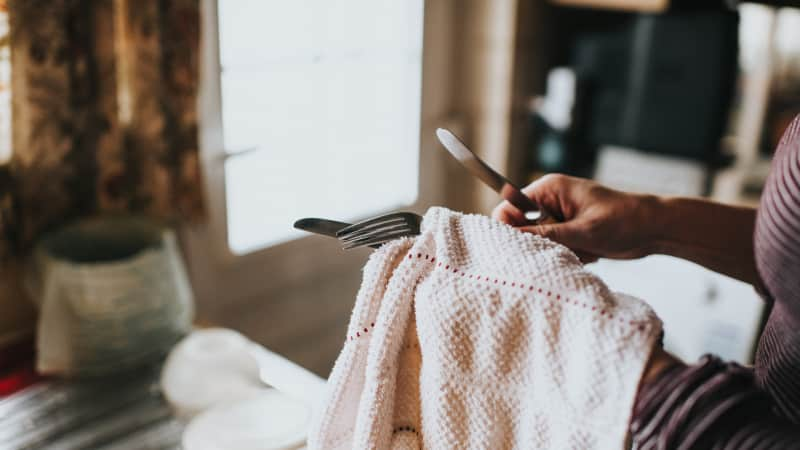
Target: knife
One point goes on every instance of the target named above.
(494, 180)
(324, 227)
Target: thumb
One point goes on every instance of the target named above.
(564, 233)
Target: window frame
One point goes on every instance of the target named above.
(214, 268)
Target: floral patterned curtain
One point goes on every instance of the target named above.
(104, 115)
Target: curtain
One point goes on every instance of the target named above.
(104, 114)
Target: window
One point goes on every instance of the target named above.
(320, 112)
(5, 85)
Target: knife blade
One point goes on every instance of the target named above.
(322, 227)
(507, 190)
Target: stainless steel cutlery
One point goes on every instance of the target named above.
(379, 230)
(374, 232)
(324, 227)
(477, 167)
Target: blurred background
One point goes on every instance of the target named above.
(230, 119)
(158, 152)
(328, 110)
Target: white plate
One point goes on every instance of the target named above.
(267, 421)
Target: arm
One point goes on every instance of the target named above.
(602, 222)
(716, 236)
(708, 405)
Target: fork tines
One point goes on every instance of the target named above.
(379, 230)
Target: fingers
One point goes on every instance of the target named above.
(586, 257)
(566, 234)
(508, 214)
(559, 232)
(569, 234)
(550, 192)
(545, 191)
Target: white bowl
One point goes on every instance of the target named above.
(209, 367)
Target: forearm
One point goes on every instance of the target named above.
(716, 236)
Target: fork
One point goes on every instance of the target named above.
(379, 230)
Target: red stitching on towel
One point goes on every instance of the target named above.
(406, 429)
(432, 259)
(358, 333)
(541, 291)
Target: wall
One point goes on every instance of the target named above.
(500, 67)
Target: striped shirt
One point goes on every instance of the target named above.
(718, 405)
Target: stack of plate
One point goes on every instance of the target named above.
(214, 378)
(267, 421)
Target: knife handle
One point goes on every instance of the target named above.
(522, 202)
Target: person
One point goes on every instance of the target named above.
(711, 404)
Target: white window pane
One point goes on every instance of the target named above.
(5, 90)
(329, 93)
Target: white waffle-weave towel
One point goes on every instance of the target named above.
(474, 335)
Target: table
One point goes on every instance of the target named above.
(120, 412)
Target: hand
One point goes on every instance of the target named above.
(597, 221)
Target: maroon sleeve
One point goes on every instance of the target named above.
(777, 253)
(709, 405)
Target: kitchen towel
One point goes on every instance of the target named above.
(474, 335)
